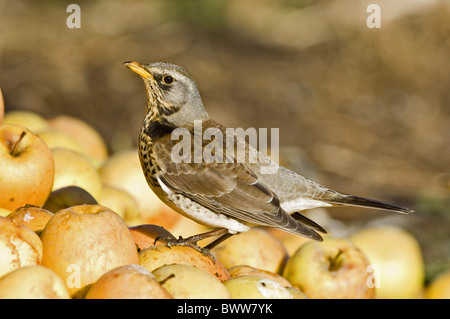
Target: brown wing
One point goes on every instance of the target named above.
(227, 188)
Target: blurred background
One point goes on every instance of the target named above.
(364, 111)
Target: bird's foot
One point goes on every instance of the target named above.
(191, 241)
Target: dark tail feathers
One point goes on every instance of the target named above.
(365, 202)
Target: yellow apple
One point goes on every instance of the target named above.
(83, 242)
(398, 266)
(290, 241)
(244, 270)
(32, 282)
(127, 282)
(188, 282)
(85, 135)
(57, 139)
(256, 248)
(255, 287)
(123, 170)
(159, 255)
(332, 269)
(122, 203)
(31, 120)
(19, 246)
(33, 217)
(439, 288)
(68, 196)
(75, 169)
(26, 168)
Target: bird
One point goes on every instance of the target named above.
(230, 196)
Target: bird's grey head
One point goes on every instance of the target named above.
(172, 93)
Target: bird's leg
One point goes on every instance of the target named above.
(192, 241)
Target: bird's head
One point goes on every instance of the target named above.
(172, 93)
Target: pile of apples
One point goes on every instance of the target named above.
(76, 222)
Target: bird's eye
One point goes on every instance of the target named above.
(168, 79)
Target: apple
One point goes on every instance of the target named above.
(75, 169)
(85, 135)
(439, 288)
(255, 287)
(83, 242)
(33, 217)
(127, 282)
(398, 266)
(145, 235)
(332, 269)
(57, 139)
(290, 241)
(68, 196)
(159, 255)
(32, 282)
(31, 120)
(256, 248)
(244, 270)
(19, 246)
(26, 168)
(186, 227)
(122, 203)
(123, 170)
(188, 282)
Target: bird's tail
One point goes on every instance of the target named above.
(352, 200)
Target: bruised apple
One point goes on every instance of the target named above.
(26, 168)
(159, 255)
(33, 217)
(83, 242)
(19, 246)
(127, 282)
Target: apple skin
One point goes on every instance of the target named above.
(19, 246)
(75, 169)
(398, 256)
(31, 120)
(32, 282)
(83, 242)
(439, 288)
(86, 136)
(123, 170)
(68, 196)
(127, 282)
(255, 287)
(188, 282)
(156, 256)
(256, 248)
(26, 177)
(309, 270)
(33, 217)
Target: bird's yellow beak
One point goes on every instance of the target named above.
(139, 69)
